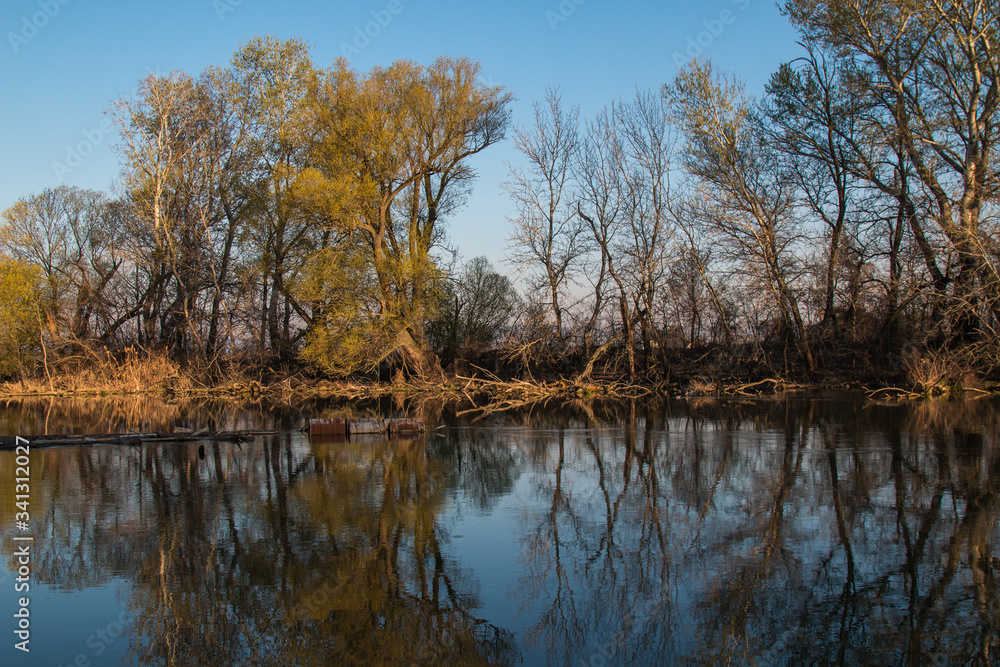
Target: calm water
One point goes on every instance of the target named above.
(807, 531)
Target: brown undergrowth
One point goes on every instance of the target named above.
(139, 372)
(479, 395)
(702, 387)
(92, 372)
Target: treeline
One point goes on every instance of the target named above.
(843, 223)
(268, 209)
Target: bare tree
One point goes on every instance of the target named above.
(547, 238)
(625, 199)
(747, 204)
(73, 236)
(812, 117)
(936, 68)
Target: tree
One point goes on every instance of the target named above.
(21, 313)
(644, 151)
(161, 131)
(340, 289)
(747, 204)
(936, 69)
(211, 171)
(547, 235)
(625, 199)
(475, 311)
(812, 118)
(398, 142)
(273, 83)
(72, 235)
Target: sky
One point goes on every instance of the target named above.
(62, 63)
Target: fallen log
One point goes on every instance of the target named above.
(70, 440)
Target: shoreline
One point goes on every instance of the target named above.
(480, 391)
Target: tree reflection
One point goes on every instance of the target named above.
(330, 568)
(796, 531)
(276, 553)
(769, 532)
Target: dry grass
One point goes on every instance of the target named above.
(134, 371)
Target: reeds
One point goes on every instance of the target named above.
(100, 372)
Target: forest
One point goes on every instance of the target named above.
(274, 214)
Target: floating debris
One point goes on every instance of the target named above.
(333, 426)
(406, 426)
(330, 426)
(365, 426)
(9, 442)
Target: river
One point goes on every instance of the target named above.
(810, 530)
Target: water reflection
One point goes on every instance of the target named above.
(824, 531)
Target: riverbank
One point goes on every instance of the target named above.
(481, 393)
(144, 374)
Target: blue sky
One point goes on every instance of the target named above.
(63, 61)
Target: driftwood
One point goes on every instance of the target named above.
(9, 442)
(498, 395)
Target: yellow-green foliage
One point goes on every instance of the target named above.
(20, 315)
(347, 335)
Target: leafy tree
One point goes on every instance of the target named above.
(273, 83)
(20, 315)
(341, 290)
(398, 142)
